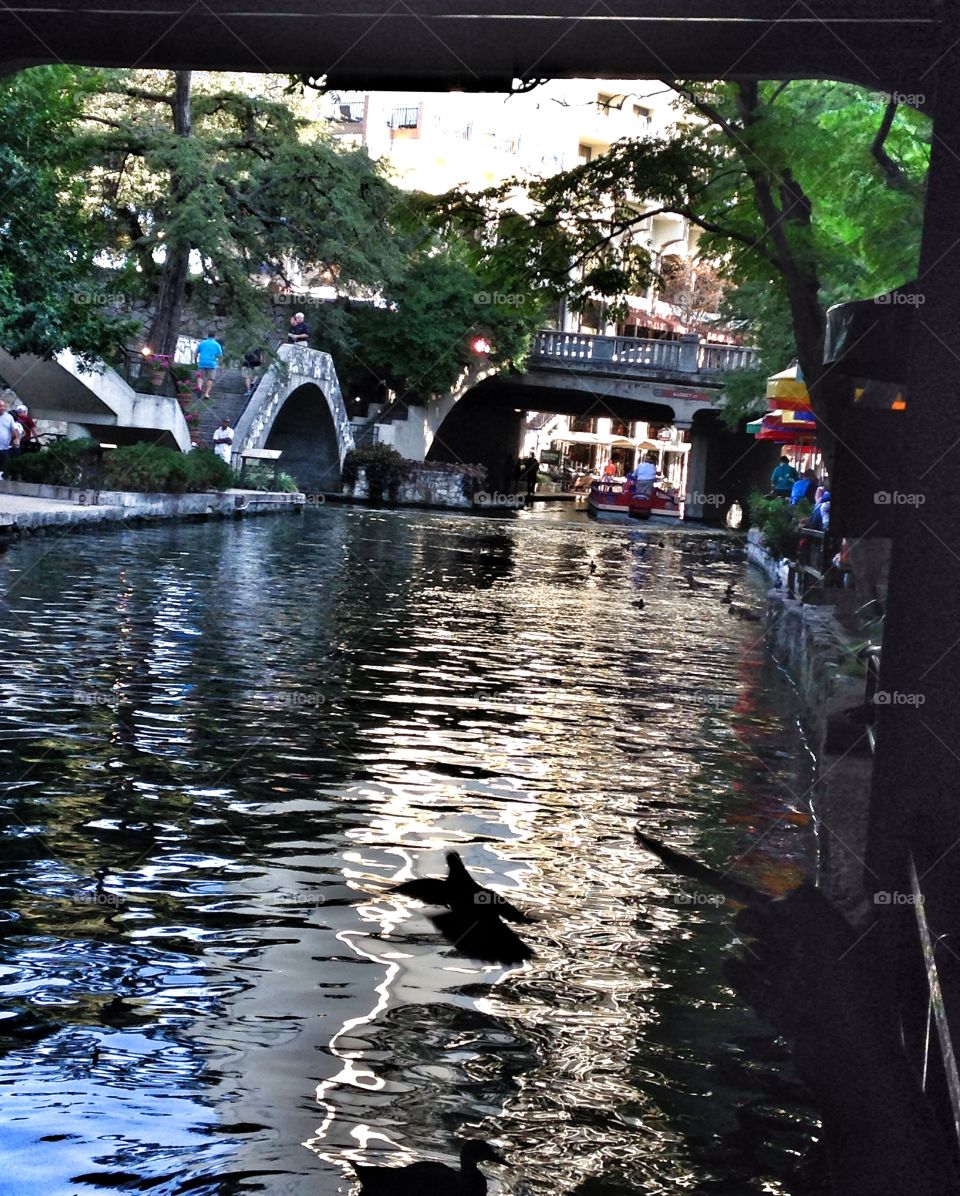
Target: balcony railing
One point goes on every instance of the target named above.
(687, 355)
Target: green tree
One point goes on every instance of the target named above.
(419, 341)
(49, 294)
(187, 174)
(806, 193)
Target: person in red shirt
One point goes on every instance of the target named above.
(30, 440)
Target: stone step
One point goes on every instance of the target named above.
(226, 399)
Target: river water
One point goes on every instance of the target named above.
(253, 730)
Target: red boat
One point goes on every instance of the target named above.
(616, 496)
(657, 502)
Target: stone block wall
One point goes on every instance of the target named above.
(425, 487)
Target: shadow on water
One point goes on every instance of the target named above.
(254, 732)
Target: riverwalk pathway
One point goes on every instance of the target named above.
(25, 507)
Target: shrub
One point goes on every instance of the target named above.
(149, 467)
(66, 463)
(384, 465)
(260, 477)
(778, 522)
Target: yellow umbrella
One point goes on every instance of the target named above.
(787, 390)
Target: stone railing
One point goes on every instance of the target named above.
(687, 355)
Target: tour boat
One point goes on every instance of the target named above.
(615, 496)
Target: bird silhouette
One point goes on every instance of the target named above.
(639, 604)
(593, 566)
(424, 1179)
(474, 922)
(691, 581)
(728, 594)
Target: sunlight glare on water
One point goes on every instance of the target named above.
(257, 728)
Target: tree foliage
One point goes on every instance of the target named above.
(240, 183)
(49, 297)
(806, 193)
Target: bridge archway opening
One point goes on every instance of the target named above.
(485, 426)
(305, 433)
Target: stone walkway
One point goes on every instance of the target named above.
(25, 512)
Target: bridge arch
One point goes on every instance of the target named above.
(298, 408)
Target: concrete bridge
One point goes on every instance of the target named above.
(94, 399)
(297, 407)
(659, 381)
(684, 376)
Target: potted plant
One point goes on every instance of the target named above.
(159, 364)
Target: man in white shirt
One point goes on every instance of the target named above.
(223, 440)
(9, 436)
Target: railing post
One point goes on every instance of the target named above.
(689, 353)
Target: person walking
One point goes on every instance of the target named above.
(531, 467)
(208, 357)
(252, 361)
(223, 440)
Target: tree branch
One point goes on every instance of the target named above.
(151, 97)
(892, 172)
(707, 110)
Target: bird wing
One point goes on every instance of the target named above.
(506, 909)
(429, 890)
(482, 937)
(736, 890)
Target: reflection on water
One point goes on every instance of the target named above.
(256, 730)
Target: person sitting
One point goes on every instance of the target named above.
(645, 475)
(299, 334)
(819, 519)
(804, 489)
(782, 478)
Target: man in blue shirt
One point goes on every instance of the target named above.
(782, 478)
(209, 353)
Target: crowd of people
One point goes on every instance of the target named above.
(793, 487)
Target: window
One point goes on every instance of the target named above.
(405, 118)
(583, 423)
(605, 103)
(642, 116)
(584, 152)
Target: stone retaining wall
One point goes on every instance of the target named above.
(425, 488)
(819, 656)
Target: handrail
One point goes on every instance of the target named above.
(688, 354)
